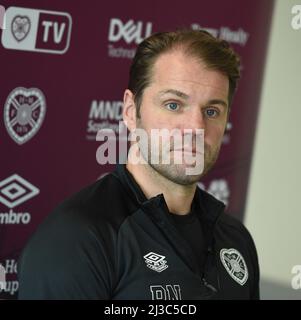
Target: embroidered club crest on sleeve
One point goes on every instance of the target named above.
(235, 265)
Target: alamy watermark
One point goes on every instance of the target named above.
(296, 280)
(159, 146)
(296, 19)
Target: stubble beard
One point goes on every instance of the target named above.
(177, 172)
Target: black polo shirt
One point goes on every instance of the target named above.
(109, 242)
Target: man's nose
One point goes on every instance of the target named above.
(194, 119)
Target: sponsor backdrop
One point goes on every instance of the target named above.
(64, 68)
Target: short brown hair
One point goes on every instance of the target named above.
(215, 53)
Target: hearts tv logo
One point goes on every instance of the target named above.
(24, 112)
(37, 30)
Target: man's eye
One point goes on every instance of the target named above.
(172, 106)
(211, 113)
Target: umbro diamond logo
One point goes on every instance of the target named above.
(155, 261)
(15, 190)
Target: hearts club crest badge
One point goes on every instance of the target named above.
(24, 112)
(235, 265)
(20, 27)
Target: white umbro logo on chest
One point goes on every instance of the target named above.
(155, 261)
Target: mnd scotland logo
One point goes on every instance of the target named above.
(104, 114)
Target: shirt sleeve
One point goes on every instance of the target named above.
(65, 259)
(255, 294)
(255, 289)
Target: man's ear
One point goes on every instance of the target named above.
(129, 110)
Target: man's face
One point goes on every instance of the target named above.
(184, 95)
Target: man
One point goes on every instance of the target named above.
(146, 231)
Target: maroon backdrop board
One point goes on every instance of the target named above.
(64, 67)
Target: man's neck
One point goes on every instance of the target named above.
(178, 197)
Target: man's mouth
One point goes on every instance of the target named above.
(191, 150)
